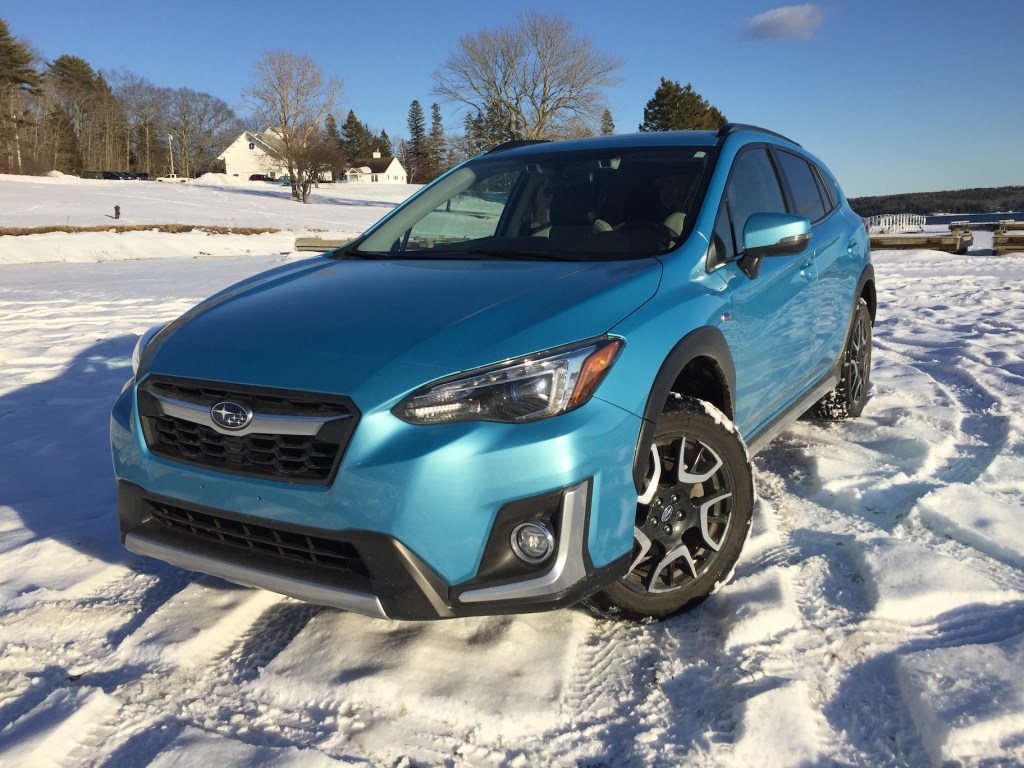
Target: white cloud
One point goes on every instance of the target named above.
(790, 22)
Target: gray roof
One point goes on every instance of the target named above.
(375, 164)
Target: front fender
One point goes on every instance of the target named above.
(707, 343)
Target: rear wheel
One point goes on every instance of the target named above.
(693, 514)
(847, 400)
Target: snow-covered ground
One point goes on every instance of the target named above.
(876, 618)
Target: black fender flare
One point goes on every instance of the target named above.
(707, 342)
(866, 289)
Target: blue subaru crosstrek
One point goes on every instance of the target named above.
(538, 381)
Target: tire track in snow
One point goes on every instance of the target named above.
(983, 434)
(836, 648)
(610, 683)
(186, 649)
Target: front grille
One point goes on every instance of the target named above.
(260, 539)
(277, 457)
(309, 459)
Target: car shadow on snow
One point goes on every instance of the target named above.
(55, 468)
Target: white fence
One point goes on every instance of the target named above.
(895, 224)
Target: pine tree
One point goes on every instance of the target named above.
(678, 108)
(436, 161)
(357, 139)
(416, 147)
(607, 124)
(333, 134)
(16, 74)
(96, 118)
(333, 139)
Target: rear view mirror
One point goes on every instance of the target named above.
(772, 234)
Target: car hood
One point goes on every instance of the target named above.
(377, 329)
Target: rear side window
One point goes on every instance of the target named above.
(831, 186)
(804, 185)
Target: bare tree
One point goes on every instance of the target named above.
(536, 79)
(292, 96)
(203, 124)
(145, 107)
(318, 157)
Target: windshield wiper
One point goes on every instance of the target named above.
(455, 255)
(500, 253)
(353, 253)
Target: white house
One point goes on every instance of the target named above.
(382, 170)
(254, 153)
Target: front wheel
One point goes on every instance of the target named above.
(693, 514)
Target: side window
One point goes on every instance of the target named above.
(753, 187)
(723, 247)
(804, 185)
(831, 187)
(826, 197)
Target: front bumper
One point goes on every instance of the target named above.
(379, 576)
(427, 511)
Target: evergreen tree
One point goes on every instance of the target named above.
(416, 147)
(16, 74)
(607, 124)
(678, 108)
(492, 127)
(97, 119)
(357, 139)
(383, 145)
(15, 61)
(416, 123)
(436, 160)
(333, 135)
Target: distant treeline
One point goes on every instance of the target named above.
(953, 201)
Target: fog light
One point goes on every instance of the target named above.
(533, 542)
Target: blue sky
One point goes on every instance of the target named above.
(894, 95)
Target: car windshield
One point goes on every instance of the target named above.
(579, 206)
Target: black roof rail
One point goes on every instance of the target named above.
(728, 128)
(515, 144)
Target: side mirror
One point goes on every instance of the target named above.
(772, 234)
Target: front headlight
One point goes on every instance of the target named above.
(141, 345)
(526, 389)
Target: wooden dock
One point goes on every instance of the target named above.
(1008, 237)
(957, 241)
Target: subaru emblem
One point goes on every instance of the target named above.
(230, 415)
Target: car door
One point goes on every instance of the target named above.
(810, 197)
(770, 327)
